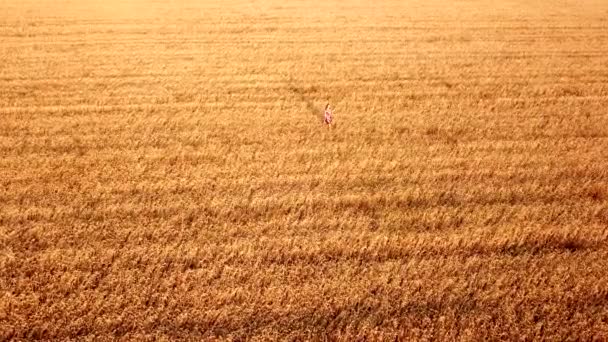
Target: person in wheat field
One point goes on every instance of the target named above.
(329, 116)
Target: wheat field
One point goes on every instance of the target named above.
(165, 173)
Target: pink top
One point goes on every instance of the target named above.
(328, 116)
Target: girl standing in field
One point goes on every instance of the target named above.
(329, 116)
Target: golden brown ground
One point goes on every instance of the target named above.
(164, 173)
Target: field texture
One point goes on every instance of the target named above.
(164, 172)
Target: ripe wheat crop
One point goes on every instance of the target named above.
(165, 173)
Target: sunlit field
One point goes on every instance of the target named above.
(165, 172)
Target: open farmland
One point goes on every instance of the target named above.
(164, 172)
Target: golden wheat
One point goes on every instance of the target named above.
(164, 172)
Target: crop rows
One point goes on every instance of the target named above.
(164, 173)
